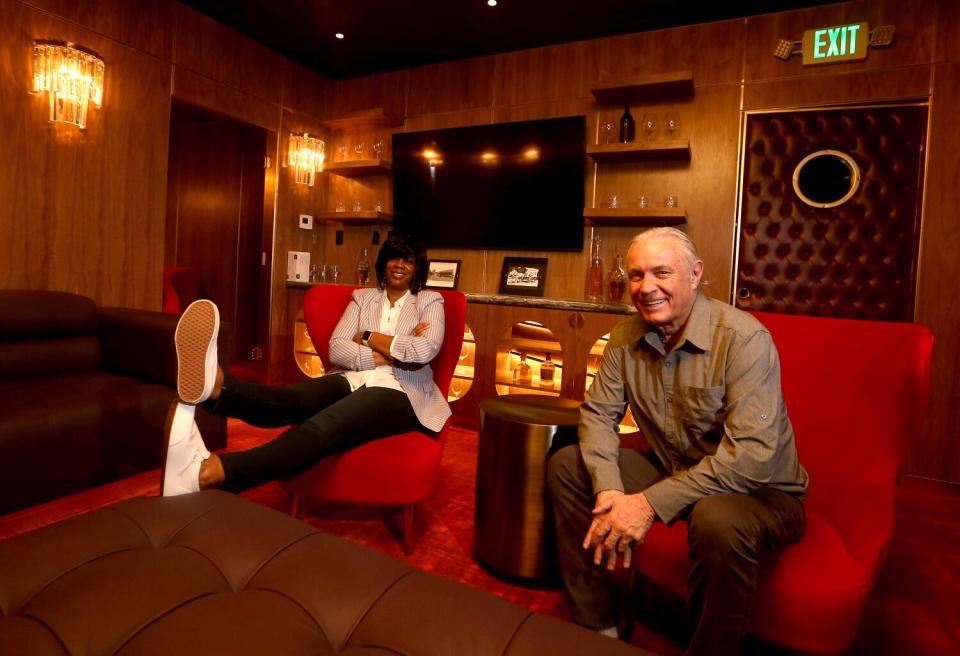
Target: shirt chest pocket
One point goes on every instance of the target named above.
(700, 410)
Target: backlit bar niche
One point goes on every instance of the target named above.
(72, 77)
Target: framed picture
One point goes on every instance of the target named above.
(443, 274)
(523, 276)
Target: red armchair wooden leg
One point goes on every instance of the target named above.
(294, 504)
(409, 532)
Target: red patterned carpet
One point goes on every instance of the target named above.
(914, 609)
(444, 527)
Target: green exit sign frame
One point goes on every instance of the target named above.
(840, 43)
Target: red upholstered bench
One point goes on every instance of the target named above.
(855, 391)
(213, 573)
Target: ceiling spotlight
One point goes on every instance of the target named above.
(339, 35)
(492, 3)
(882, 35)
(785, 49)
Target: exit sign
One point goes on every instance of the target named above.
(827, 45)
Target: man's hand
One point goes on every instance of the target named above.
(358, 338)
(420, 328)
(379, 359)
(619, 519)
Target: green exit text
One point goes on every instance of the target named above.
(833, 44)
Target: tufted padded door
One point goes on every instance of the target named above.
(857, 260)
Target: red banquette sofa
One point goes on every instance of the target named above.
(856, 391)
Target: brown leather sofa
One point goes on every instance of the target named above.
(84, 393)
(213, 573)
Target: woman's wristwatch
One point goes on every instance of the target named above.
(365, 337)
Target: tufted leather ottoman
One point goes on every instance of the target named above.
(212, 573)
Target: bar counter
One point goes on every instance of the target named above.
(570, 305)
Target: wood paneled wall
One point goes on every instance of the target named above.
(937, 453)
(84, 211)
(734, 72)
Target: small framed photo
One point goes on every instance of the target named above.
(443, 274)
(523, 276)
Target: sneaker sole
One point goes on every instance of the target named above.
(196, 339)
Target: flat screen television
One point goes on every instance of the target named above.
(509, 186)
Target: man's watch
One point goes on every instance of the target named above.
(365, 337)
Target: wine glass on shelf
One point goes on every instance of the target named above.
(671, 123)
(342, 149)
(649, 125)
(456, 387)
(377, 147)
(358, 149)
(606, 132)
(464, 352)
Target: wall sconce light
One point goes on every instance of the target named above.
(786, 49)
(72, 77)
(882, 35)
(306, 155)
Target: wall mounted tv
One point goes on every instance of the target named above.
(509, 186)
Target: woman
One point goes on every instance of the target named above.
(383, 385)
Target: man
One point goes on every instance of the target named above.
(702, 379)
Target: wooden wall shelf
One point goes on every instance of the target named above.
(360, 167)
(364, 120)
(518, 344)
(635, 216)
(659, 86)
(640, 151)
(535, 386)
(364, 217)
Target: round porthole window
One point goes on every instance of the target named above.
(826, 178)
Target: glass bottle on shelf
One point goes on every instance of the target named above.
(627, 126)
(617, 280)
(363, 268)
(547, 371)
(594, 282)
(523, 373)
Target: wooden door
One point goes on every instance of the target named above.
(215, 214)
(856, 259)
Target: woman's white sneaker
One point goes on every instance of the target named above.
(184, 454)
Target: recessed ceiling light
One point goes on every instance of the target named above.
(492, 3)
(339, 35)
